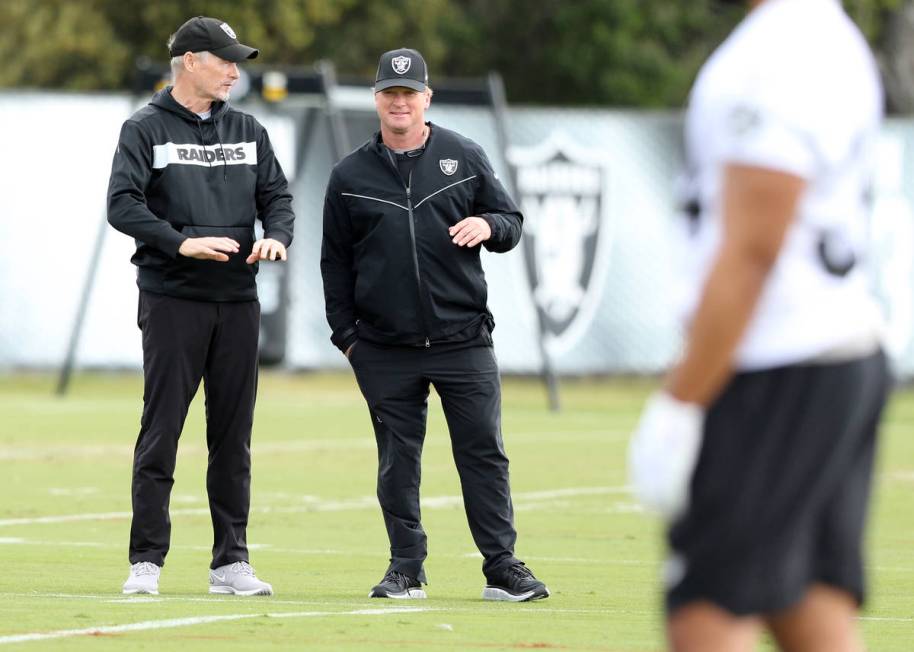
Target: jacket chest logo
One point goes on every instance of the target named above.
(448, 166)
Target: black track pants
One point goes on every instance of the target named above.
(395, 382)
(184, 341)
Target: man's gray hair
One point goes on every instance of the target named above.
(177, 63)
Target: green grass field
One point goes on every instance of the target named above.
(316, 532)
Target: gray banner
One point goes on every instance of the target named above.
(596, 187)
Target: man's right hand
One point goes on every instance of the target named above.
(664, 452)
(209, 248)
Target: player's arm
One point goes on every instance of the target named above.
(494, 205)
(131, 170)
(337, 261)
(274, 204)
(128, 212)
(759, 205)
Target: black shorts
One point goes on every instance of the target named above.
(780, 492)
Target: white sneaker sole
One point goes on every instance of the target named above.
(228, 590)
(500, 595)
(141, 592)
(408, 594)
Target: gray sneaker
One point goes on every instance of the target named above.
(238, 578)
(143, 578)
(399, 586)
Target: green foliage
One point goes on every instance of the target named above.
(626, 52)
(872, 15)
(641, 53)
(59, 44)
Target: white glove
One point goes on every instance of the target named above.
(663, 453)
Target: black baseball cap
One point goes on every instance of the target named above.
(202, 33)
(403, 67)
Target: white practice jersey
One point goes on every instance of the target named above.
(795, 89)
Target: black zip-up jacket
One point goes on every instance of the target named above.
(176, 176)
(391, 273)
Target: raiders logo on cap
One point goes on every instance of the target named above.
(205, 34)
(401, 68)
(400, 64)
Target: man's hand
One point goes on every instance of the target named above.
(663, 453)
(267, 249)
(470, 231)
(349, 350)
(209, 248)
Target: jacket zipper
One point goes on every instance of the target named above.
(412, 240)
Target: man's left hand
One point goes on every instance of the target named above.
(470, 231)
(267, 249)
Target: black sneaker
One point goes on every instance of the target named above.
(397, 585)
(514, 584)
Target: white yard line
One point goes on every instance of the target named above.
(139, 599)
(538, 607)
(582, 560)
(124, 450)
(259, 547)
(315, 504)
(100, 516)
(483, 607)
(196, 620)
(84, 451)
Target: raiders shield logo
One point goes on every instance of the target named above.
(228, 30)
(563, 192)
(401, 64)
(448, 166)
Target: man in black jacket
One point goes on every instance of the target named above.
(189, 177)
(405, 295)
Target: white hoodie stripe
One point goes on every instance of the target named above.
(204, 155)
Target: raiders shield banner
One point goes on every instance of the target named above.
(562, 188)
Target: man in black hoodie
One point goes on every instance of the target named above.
(189, 177)
(405, 295)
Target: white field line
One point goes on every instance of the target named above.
(107, 597)
(259, 547)
(892, 569)
(126, 451)
(318, 551)
(571, 560)
(72, 451)
(100, 516)
(585, 560)
(72, 491)
(196, 620)
(313, 504)
(483, 607)
(138, 599)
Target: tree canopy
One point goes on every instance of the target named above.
(641, 53)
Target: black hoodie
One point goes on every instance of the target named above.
(176, 176)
